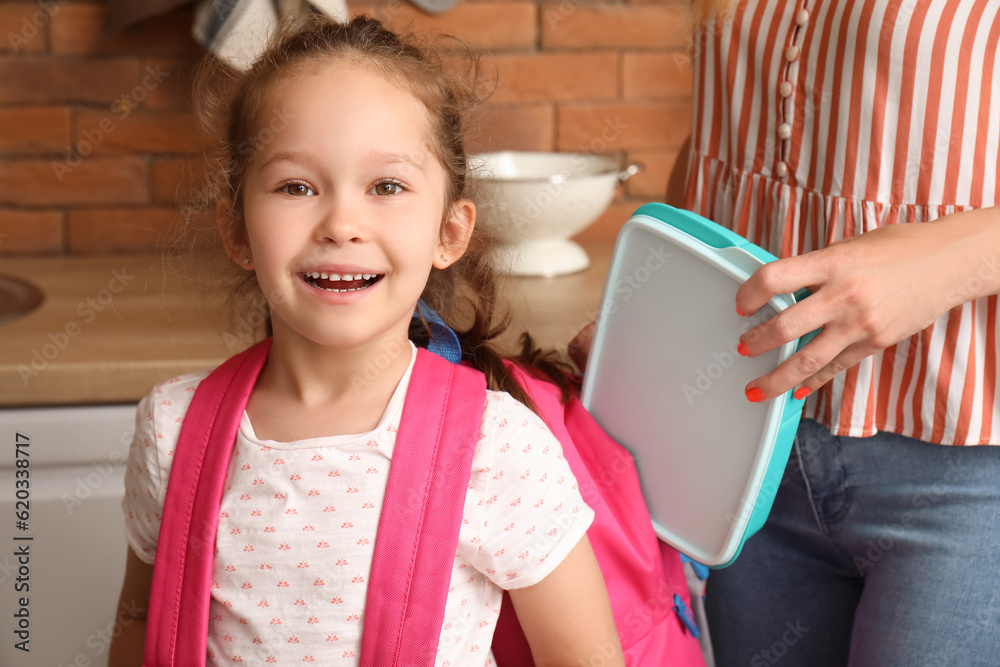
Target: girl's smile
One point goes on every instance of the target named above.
(341, 285)
(342, 279)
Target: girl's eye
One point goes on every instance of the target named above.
(386, 188)
(297, 189)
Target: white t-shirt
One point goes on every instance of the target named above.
(298, 521)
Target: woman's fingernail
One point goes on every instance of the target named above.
(801, 393)
(739, 311)
(755, 394)
(743, 349)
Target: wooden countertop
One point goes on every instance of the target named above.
(112, 327)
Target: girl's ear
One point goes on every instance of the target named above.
(236, 246)
(455, 233)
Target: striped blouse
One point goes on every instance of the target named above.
(816, 120)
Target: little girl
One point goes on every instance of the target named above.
(346, 215)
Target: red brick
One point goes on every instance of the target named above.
(605, 229)
(522, 127)
(495, 25)
(174, 91)
(657, 75)
(179, 180)
(23, 27)
(58, 80)
(30, 232)
(30, 130)
(138, 132)
(111, 230)
(651, 183)
(598, 128)
(154, 77)
(556, 76)
(615, 26)
(88, 181)
(79, 29)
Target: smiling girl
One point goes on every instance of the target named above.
(347, 218)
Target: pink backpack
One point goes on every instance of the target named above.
(407, 589)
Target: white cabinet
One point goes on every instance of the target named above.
(76, 555)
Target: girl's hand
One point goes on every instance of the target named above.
(129, 637)
(868, 292)
(566, 617)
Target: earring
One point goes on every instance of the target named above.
(246, 260)
(443, 258)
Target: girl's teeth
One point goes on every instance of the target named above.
(346, 276)
(333, 276)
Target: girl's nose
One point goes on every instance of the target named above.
(341, 223)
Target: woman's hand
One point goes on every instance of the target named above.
(868, 292)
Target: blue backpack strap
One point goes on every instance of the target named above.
(444, 342)
(422, 513)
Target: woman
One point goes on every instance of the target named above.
(858, 140)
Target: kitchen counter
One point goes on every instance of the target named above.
(113, 326)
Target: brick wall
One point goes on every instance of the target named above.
(574, 75)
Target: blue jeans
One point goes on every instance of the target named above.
(879, 552)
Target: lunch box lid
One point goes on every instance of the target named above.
(665, 380)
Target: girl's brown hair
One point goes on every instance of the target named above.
(231, 105)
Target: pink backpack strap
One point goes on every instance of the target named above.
(177, 625)
(422, 513)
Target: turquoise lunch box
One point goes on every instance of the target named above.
(665, 380)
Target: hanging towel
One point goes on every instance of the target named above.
(215, 19)
(237, 31)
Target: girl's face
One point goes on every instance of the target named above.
(344, 208)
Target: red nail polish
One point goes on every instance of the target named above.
(801, 393)
(739, 311)
(743, 349)
(755, 394)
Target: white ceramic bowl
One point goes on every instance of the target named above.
(546, 198)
